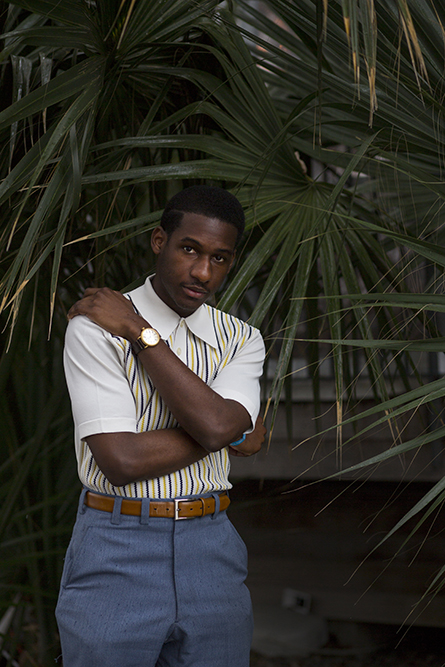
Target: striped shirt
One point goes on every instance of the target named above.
(111, 391)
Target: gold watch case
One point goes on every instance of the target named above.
(148, 337)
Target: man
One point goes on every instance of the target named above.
(163, 387)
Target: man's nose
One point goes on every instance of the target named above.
(202, 269)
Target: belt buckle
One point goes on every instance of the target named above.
(177, 508)
(180, 518)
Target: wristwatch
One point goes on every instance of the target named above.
(148, 337)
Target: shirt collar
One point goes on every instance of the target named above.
(165, 320)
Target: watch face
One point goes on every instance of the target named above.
(150, 337)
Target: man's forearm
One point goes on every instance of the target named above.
(210, 419)
(130, 457)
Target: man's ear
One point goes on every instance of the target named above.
(159, 239)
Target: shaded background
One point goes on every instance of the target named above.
(327, 124)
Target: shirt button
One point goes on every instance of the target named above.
(182, 323)
(178, 351)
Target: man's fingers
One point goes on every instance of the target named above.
(234, 452)
(78, 308)
(73, 311)
(85, 304)
(90, 291)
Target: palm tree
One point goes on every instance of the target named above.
(397, 313)
(109, 108)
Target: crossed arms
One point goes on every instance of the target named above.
(208, 421)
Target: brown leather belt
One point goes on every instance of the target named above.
(174, 509)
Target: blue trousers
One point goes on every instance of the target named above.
(152, 592)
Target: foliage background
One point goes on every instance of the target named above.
(326, 122)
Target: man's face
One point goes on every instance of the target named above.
(193, 262)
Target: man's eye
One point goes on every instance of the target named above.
(188, 249)
(220, 259)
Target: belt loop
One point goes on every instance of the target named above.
(116, 516)
(145, 510)
(82, 506)
(217, 504)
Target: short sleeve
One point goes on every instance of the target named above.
(239, 380)
(100, 394)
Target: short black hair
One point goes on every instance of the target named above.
(207, 200)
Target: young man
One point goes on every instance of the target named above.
(163, 388)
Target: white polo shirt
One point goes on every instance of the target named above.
(111, 392)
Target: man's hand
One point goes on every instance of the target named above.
(252, 443)
(111, 311)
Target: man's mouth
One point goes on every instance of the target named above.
(195, 291)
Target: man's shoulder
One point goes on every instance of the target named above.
(82, 333)
(80, 326)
